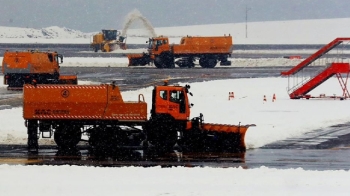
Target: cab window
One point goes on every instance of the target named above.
(175, 96)
(159, 42)
(49, 55)
(163, 94)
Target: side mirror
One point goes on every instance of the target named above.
(190, 93)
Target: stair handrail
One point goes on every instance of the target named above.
(309, 78)
(322, 51)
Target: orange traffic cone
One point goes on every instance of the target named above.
(274, 98)
(231, 95)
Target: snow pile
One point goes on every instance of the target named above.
(53, 32)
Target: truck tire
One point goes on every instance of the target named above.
(67, 136)
(158, 63)
(164, 60)
(32, 135)
(161, 132)
(104, 141)
(208, 61)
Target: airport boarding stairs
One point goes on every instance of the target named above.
(336, 67)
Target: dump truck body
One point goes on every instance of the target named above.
(103, 102)
(67, 111)
(33, 66)
(209, 50)
(203, 45)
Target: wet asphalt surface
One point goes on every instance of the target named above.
(324, 149)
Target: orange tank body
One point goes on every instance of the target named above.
(30, 62)
(95, 102)
(203, 45)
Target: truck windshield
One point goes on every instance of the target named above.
(150, 43)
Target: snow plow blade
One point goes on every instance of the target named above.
(213, 137)
(139, 59)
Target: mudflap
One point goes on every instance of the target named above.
(225, 63)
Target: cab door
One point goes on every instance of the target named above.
(172, 102)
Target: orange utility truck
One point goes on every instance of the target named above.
(28, 66)
(68, 111)
(208, 50)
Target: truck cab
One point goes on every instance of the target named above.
(157, 45)
(171, 101)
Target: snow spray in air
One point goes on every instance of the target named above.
(136, 15)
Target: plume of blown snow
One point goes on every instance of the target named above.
(132, 17)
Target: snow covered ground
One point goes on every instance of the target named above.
(275, 121)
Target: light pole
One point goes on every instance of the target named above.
(246, 21)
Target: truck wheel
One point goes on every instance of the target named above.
(212, 62)
(203, 62)
(169, 61)
(158, 62)
(164, 60)
(67, 137)
(103, 141)
(32, 136)
(208, 61)
(162, 134)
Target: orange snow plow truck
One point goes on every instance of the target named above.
(28, 66)
(99, 111)
(208, 50)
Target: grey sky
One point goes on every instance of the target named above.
(94, 15)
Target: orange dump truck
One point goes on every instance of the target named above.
(68, 111)
(208, 50)
(28, 66)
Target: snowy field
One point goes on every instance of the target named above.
(275, 121)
